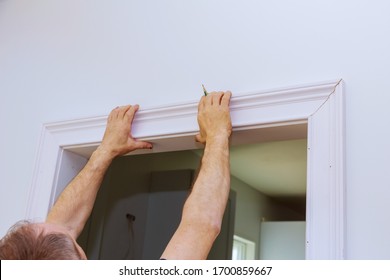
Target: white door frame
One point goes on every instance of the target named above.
(320, 105)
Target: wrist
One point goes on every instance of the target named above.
(216, 151)
(103, 154)
(218, 141)
(220, 137)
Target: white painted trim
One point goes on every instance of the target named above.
(321, 105)
(325, 213)
(250, 247)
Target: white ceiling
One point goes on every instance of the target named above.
(277, 168)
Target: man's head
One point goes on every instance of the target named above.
(29, 241)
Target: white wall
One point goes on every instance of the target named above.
(69, 58)
(252, 207)
(282, 241)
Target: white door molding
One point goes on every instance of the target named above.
(170, 128)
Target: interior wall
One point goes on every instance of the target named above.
(69, 59)
(253, 207)
(283, 240)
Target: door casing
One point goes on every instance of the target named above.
(65, 147)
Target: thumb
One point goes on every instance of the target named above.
(199, 138)
(143, 145)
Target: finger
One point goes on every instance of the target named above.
(113, 114)
(225, 101)
(217, 98)
(220, 93)
(131, 112)
(123, 110)
(199, 139)
(201, 103)
(208, 100)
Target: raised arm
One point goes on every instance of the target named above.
(203, 210)
(75, 203)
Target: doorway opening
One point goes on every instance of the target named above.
(268, 183)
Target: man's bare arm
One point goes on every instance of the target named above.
(203, 211)
(75, 203)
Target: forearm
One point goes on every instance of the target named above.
(75, 203)
(208, 197)
(203, 211)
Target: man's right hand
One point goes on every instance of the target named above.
(214, 117)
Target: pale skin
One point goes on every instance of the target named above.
(72, 209)
(203, 211)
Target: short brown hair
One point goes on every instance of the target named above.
(23, 242)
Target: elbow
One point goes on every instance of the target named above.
(210, 227)
(215, 228)
(205, 223)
